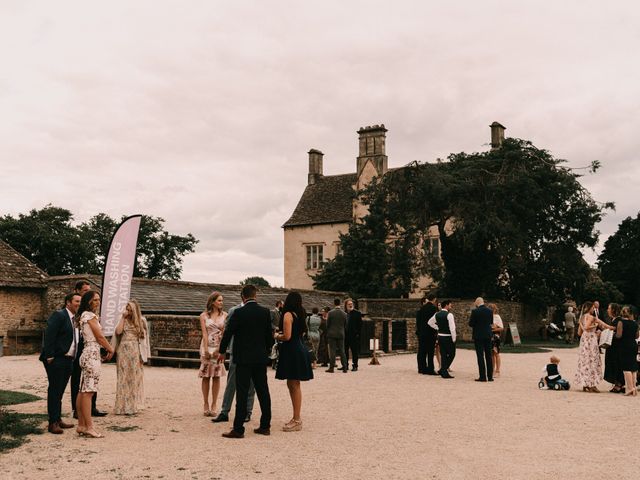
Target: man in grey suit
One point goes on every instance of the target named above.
(336, 324)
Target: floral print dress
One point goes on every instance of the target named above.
(589, 373)
(90, 359)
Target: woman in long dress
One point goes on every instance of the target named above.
(131, 336)
(294, 364)
(212, 327)
(589, 372)
(89, 325)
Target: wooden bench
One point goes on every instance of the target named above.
(182, 357)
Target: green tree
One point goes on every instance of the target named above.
(256, 282)
(49, 239)
(510, 223)
(619, 261)
(597, 289)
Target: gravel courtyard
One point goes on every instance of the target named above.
(383, 422)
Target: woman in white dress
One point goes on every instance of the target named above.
(89, 324)
(212, 326)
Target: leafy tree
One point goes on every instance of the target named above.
(256, 281)
(49, 239)
(510, 223)
(604, 292)
(619, 261)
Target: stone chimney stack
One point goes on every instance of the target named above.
(315, 165)
(372, 148)
(497, 135)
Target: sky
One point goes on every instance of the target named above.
(202, 112)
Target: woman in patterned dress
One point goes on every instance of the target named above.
(212, 326)
(130, 336)
(589, 373)
(89, 324)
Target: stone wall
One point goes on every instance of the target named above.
(22, 320)
(384, 312)
(174, 331)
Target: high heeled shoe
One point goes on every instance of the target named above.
(81, 432)
(293, 426)
(93, 434)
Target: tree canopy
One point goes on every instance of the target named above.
(510, 224)
(48, 238)
(255, 281)
(619, 261)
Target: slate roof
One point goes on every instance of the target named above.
(17, 271)
(190, 298)
(329, 200)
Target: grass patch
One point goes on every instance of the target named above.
(14, 428)
(118, 428)
(8, 397)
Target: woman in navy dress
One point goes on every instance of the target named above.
(627, 332)
(294, 363)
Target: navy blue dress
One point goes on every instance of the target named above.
(294, 361)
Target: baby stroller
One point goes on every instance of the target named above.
(561, 384)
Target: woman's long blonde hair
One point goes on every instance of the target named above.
(210, 307)
(136, 318)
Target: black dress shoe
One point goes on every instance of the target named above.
(480, 380)
(98, 413)
(262, 431)
(233, 434)
(345, 370)
(446, 375)
(330, 370)
(354, 369)
(490, 380)
(222, 417)
(430, 372)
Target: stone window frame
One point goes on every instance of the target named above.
(314, 256)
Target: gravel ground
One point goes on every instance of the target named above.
(383, 422)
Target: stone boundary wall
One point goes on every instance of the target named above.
(174, 331)
(382, 311)
(22, 320)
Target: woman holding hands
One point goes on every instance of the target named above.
(89, 325)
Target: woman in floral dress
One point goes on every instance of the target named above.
(130, 338)
(89, 324)
(589, 373)
(212, 327)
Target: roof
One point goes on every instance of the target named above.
(190, 298)
(17, 271)
(328, 200)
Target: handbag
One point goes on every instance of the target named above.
(606, 337)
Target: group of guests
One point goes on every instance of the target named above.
(621, 357)
(247, 333)
(436, 332)
(71, 350)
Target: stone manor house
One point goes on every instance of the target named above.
(328, 206)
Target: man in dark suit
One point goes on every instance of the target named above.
(480, 321)
(251, 330)
(58, 351)
(427, 336)
(81, 287)
(352, 335)
(336, 327)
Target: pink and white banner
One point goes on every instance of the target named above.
(118, 272)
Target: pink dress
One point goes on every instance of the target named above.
(589, 373)
(211, 368)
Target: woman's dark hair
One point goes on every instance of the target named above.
(293, 304)
(615, 309)
(85, 304)
(314, 310)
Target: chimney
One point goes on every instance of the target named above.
(315, 165)
(372, 148)
(497, 135)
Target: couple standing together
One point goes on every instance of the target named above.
(251, 330)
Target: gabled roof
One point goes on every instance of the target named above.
(329, 200)
(17, 271)
(190, 298)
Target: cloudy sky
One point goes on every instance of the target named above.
(202, 112)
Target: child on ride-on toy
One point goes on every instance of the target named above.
(552, 378)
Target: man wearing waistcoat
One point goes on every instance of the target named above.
(445, 324)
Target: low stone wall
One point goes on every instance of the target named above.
(22, 320)
(401, 313)
(174, 331)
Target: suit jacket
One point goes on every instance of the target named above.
(336, 323)
(252, 334)
(58, 336)
(354, 325)
(480, 321)
(423, 315)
